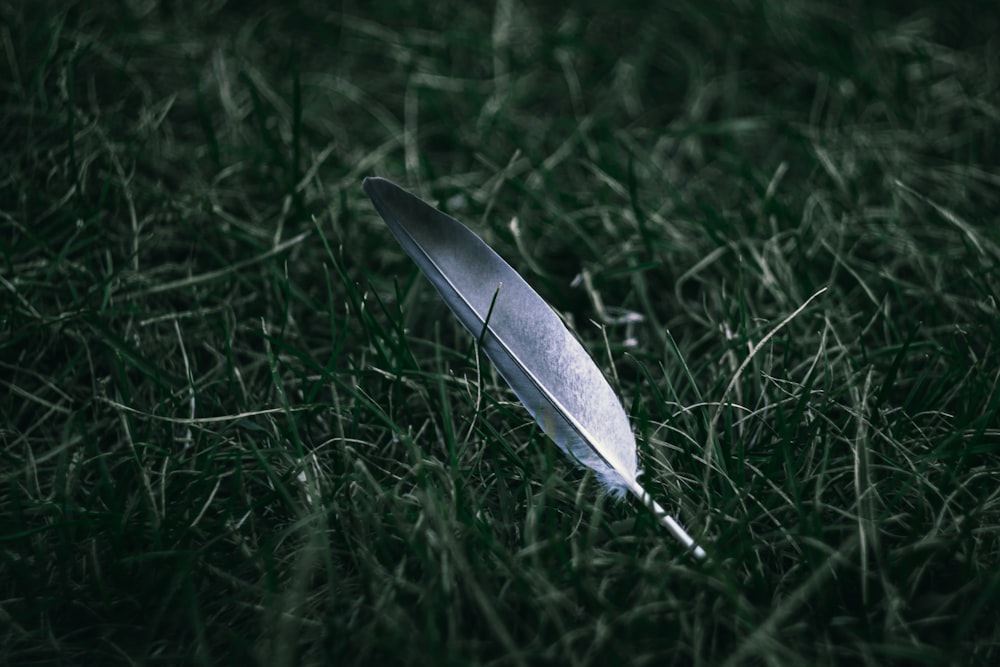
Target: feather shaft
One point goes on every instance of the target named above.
(528, 344)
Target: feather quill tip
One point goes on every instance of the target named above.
(683, 536)
(671, 524)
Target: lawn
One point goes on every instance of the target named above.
(239, 426)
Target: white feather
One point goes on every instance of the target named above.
(530, 347)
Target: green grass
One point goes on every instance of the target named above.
(239, 427)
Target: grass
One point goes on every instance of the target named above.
(238, 426)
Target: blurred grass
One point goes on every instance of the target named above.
(237, 425)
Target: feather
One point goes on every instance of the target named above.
(545, 365)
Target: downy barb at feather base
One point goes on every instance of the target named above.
(530, 347)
